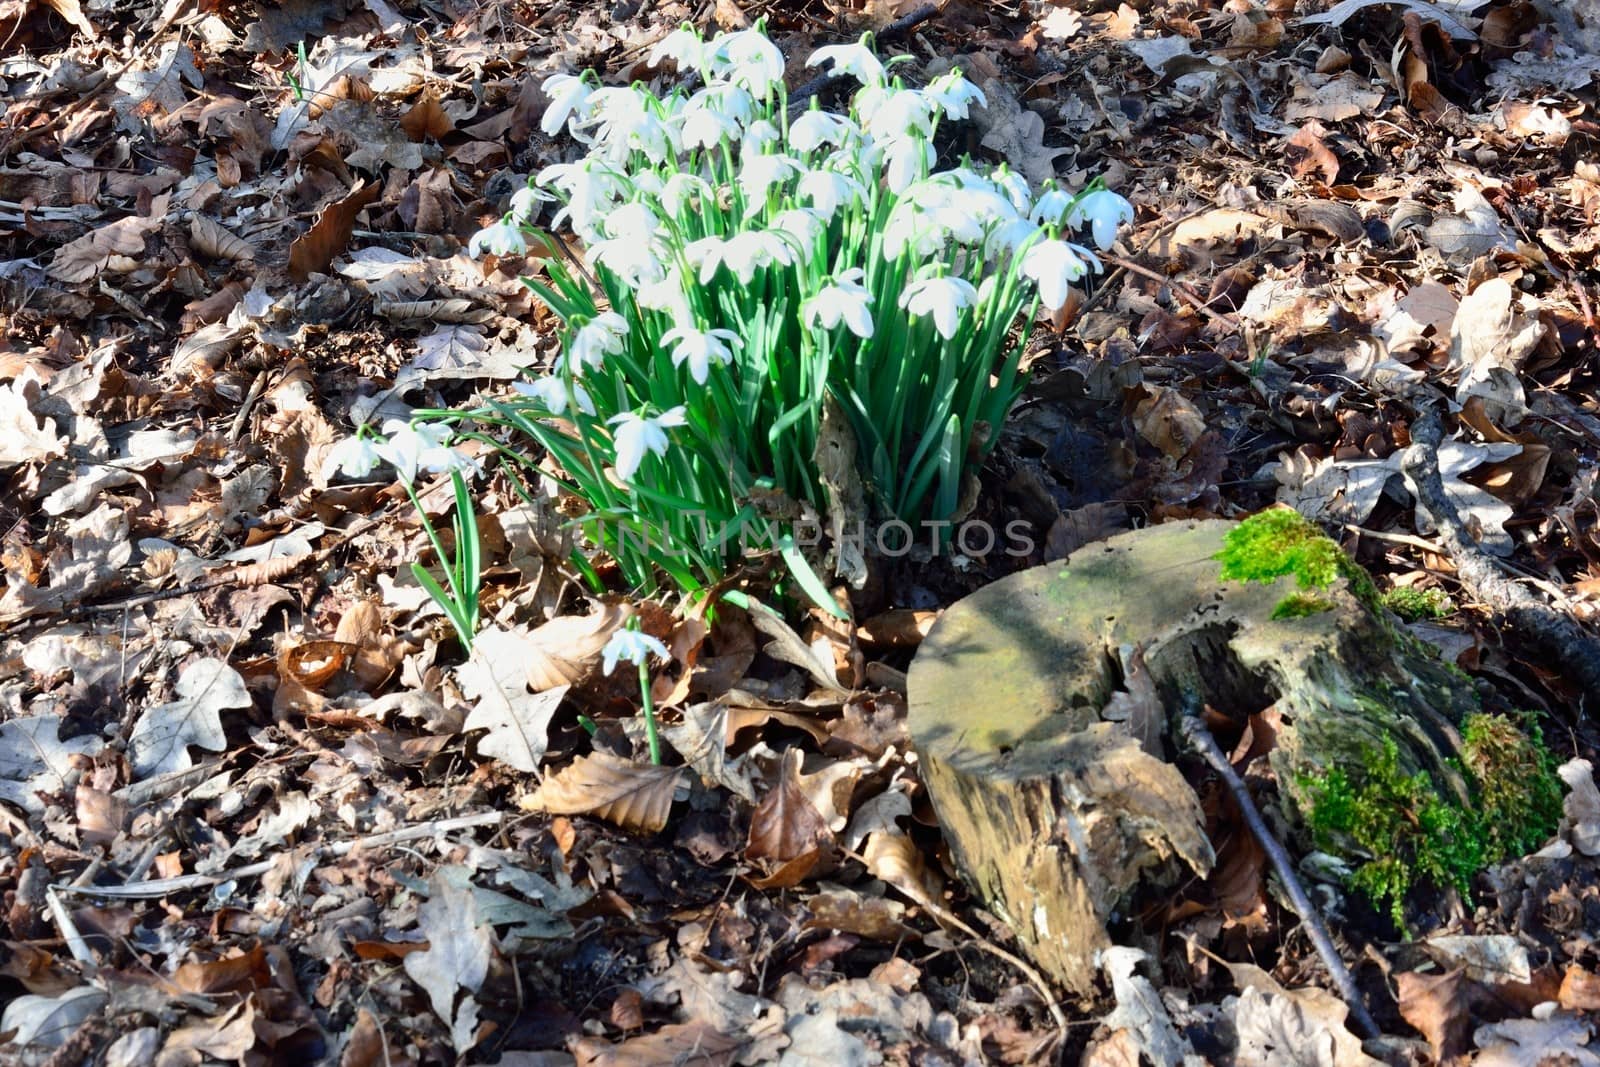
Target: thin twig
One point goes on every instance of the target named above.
(1189, 296)
(1199, 738)
(160, 887)
(1562, 639)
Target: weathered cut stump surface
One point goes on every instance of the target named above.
(1057, 807)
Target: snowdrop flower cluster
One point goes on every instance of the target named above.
(749, 267)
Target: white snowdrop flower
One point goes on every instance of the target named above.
(632, 646)
(596, 339)
(816, 128)
(1051, 207)
(504, 238)
(897, 114)
(908, 227)
(700, 349)
(552, 393)
(666, 295)
(760, 173)
(953, 95)
(704, 128)
(356, 456)
(730, 101)
(637, 434)
(844, 300)
(1015, 189)
(525, 202)
(1104, 211)
(420, 448)
(743, 254)
(906, 159)
(684, 46)
(1053, 265)
(759, 136)
(749, 60)
(569, 98)
(684, 188)
(635, 220)
(644, 132)
(942, 299)
(804, 224)
(1010, 236)
(827, 190)
(631, 257)
(856, 60)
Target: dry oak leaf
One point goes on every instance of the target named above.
(24, 437)
(79, 260)
(518, 722)
(634, 796)
(313, 250)
(161, 738)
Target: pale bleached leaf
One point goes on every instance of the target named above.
(161, 738)
(457, 956)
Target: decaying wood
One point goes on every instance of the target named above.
(1058, 816)
(1562, 638)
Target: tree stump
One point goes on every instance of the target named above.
(1055, 811)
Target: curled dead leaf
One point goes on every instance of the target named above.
(329, 235)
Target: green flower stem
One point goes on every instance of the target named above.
(647, 708)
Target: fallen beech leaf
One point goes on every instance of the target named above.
(243, 973)
(1440, 1006)
(634, 796)
(79, 260)
(1580, 989)
(898, 628)
(1580, 821)
(566, 650)
(786, 828)
(1308, 153)
(329, 235)
(210, 237)
(426, 119)
(694, 1044)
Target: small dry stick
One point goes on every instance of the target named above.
(1559, 636)
(1200, 739)
(160, 887)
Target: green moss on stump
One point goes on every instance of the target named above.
(1411, 835)
(1399, 825)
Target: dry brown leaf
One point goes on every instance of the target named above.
(1308, 153)
(1168, 420)
(695, 1044)
(79, 260)
(313, 250)
(898, 628)
(786, 829)
(894, 858)
(566, 650)
(426, 119)
(72, 11)
(210, 237)
(1580, 989)
(243, 973)
(634, 796)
